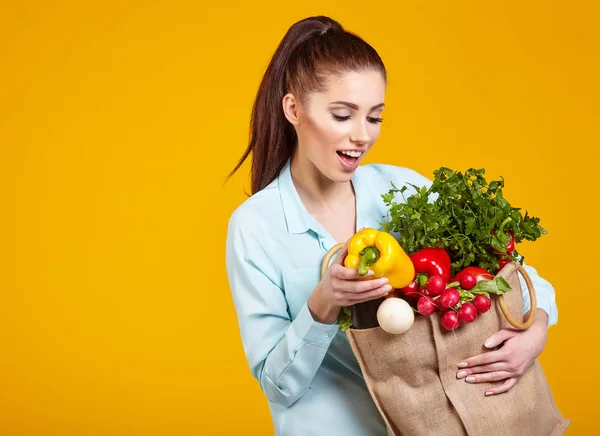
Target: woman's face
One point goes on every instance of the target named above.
(338, 126)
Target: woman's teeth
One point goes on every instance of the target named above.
(352, 153)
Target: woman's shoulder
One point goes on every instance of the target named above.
(257, 211)
(400, 176)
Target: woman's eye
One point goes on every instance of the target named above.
(341, 117)
(373, 120)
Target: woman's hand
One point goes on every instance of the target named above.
(520, 349)
(339, 288)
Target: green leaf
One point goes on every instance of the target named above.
(496, 286)
(345, 319)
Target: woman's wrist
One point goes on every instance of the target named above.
(321, 308)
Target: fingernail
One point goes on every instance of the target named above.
(463, 365)
(489, 343)
(461, 374)
(487, 394)
(387, 288)
(470, 379)
(370, 272)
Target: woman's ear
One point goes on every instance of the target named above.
(291, 108)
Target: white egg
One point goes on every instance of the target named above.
(395, 315)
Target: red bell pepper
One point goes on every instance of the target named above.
(428, 262)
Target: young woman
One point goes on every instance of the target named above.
(317, 113)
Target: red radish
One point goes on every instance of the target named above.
(467, 313)
(440, 307)
(468, 281)
(482, 303)
(435, 285)
(426, 306)
(479, 273)
(450, 320)
(449, 298)
(412, 290)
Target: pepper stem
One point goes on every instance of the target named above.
(368, 256)
(505, 222)
(422, 280)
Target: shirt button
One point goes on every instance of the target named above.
(330, 334)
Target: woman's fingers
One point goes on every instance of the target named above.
(373, 294)
(498, 366)
(494, 376)
(351, 273)
(504, 387)
(358, 287)
(483, 359)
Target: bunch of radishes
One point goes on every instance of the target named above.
(460, 301)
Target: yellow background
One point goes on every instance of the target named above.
(118, 123)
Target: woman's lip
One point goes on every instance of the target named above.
(346, 166)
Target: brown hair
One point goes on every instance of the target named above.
(311, 50)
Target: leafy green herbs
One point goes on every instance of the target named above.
(458, 212)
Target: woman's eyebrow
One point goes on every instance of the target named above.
(355, 106)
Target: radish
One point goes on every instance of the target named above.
(426, 306)
(467, 313)
(412, 290)
(449, 298)
(482, 303)
(468, 281)
(436, 285)
(450, 320)
(479, 273)
(439, 306)
(395, 316)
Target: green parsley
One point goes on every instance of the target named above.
(458, 212)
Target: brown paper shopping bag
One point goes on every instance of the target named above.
(412, 377)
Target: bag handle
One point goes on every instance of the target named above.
(532, 298)
(329, 255)
(503, 307)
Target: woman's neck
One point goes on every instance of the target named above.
(319, 194)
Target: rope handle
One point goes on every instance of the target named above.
(503, 307)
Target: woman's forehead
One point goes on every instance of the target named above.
(365, 89)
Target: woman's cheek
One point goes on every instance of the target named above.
(374, 132)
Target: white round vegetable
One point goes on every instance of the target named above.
(395, 315)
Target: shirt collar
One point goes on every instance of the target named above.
(296, 215)
(297, 218)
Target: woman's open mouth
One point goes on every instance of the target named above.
(349, 158)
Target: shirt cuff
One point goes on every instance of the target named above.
(312, 331)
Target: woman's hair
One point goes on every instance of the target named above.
(312, 50)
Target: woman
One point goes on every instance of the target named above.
(317, 113)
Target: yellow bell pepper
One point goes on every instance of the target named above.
(381, 252)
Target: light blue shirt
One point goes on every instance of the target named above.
(306, 369)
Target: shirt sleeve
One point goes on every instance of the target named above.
(284, 354)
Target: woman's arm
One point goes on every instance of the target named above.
(284, 354)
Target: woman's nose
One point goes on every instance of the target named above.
(360, 134)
